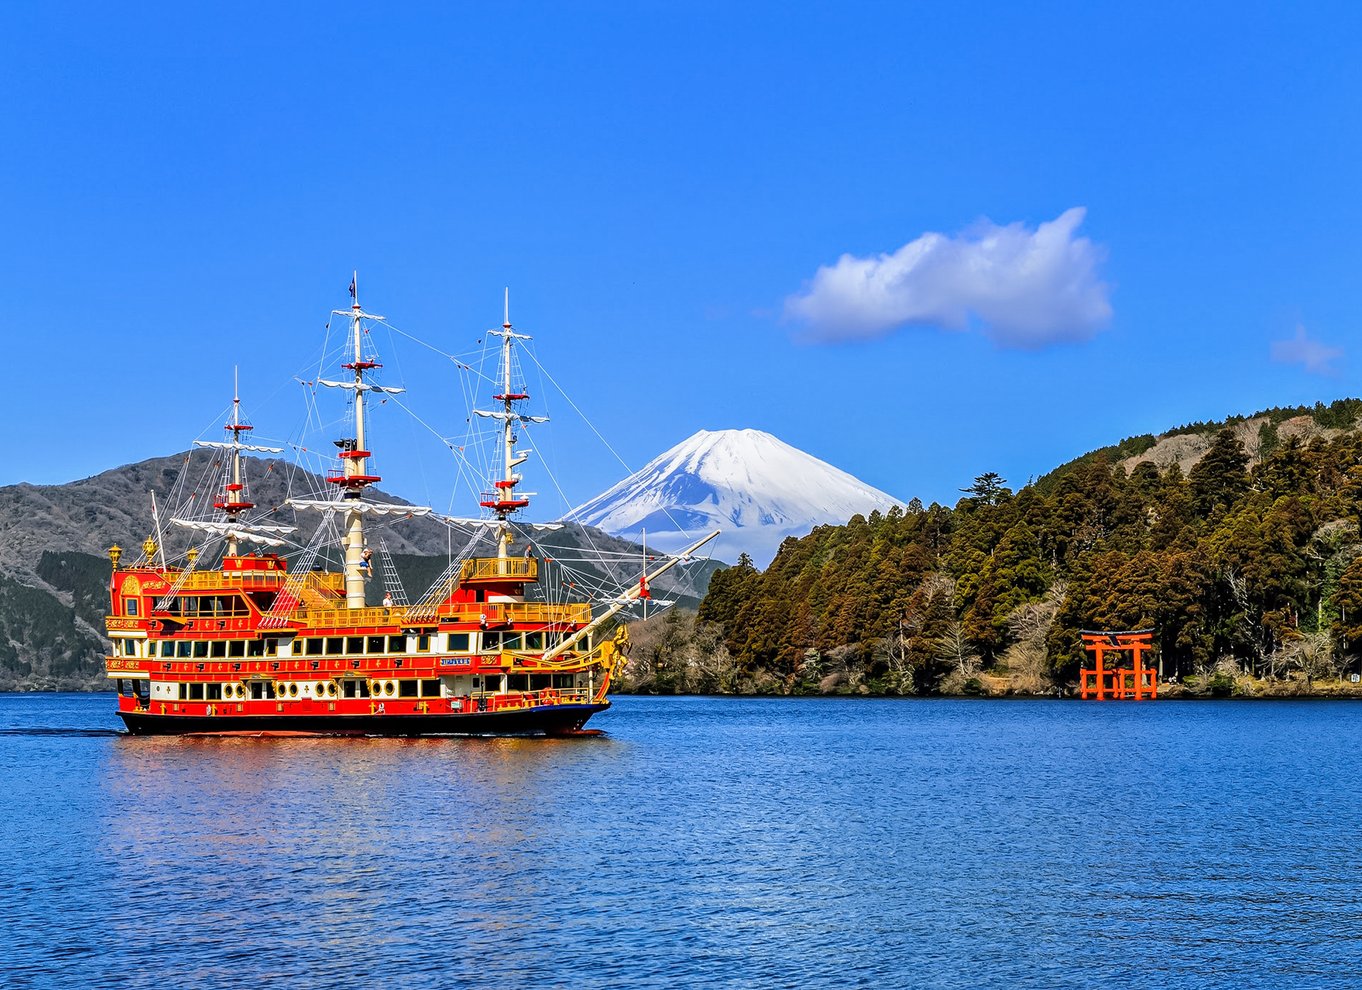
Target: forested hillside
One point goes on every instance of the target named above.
(1248, 567)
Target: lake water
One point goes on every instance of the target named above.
(702, 843)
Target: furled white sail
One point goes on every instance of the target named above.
(266, 535)
(355, 505)
(361, 386)
(457, 521)
(509, 417)
(227, 445)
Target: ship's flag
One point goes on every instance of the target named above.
(352, 288)
(643, 591)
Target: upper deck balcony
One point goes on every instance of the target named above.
(499, 570)
(214, 580)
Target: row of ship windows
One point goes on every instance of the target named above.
(455, 642)
(350, 645)
(347, 688)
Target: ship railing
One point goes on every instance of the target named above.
(500, 569)
(497, 701)
(210, 580)
(497, 614)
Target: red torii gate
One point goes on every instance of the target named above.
(1134, 682)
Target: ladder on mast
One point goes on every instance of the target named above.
(392, 581)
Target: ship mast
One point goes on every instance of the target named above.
(233, 500)
(505, 500)
(354, 453)
(354, 476)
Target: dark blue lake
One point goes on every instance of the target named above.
(703, 842)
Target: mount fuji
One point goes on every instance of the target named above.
(755, 488)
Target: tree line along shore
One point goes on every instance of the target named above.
(1249, 569)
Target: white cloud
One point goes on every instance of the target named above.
(1022, 288)
(1317, 358)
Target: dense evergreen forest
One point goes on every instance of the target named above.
(1248, 568)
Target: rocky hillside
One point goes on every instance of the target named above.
(1260, 434)
(54, 565)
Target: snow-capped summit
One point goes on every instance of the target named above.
(754, 487)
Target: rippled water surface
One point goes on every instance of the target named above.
(702, 842)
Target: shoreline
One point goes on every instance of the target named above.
(983, 686)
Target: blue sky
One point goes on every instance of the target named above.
(186, 187)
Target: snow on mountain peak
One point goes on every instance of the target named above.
(756, 488)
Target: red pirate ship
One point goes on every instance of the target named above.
(260, 642)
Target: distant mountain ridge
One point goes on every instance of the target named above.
(53, 538)
(54, 565)
(754, 487)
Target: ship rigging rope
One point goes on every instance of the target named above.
(623, 463)
(291, 594)
(475, 466)
(163, 603)
(545, 465)
(457, 451)
(429, 602)
(463, 365)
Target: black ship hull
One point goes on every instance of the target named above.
(547, 720)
